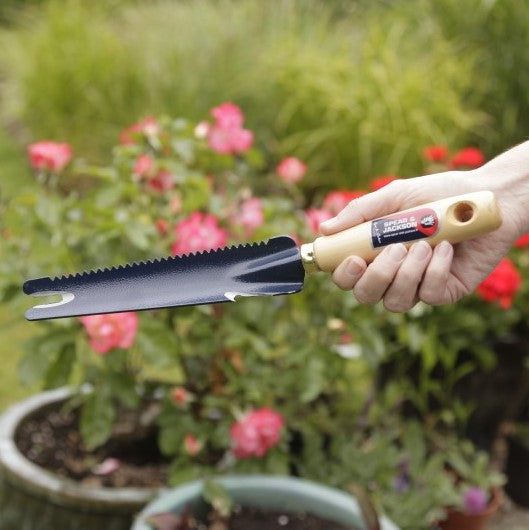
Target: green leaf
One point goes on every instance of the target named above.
(157, 342)
(170, 439)
(123, 386)
(97, 419)
(59, 371)
(179, 474)
(216, 495)
(48, 210)
(41, 352)
(313, 379)
(138, 235)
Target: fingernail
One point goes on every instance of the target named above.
(353, 268)
(397, 252)
(420, 250)
(444, 249)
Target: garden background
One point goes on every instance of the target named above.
(355, 89)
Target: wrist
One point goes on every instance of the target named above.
(508, 177)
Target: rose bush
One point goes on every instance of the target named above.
(263, 384)
(254, 385)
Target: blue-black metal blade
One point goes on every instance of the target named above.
(271, 267)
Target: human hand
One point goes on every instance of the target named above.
(445, 274)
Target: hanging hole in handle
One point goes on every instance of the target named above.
(463, 212)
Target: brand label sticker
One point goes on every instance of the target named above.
(400, 228)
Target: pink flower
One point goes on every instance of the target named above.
(435, 153)
(380, 182)
(250, 216)
(107, 467)
(226, 135)
(502, 284)
(143, 166)
(256, 433)
(148, 127)
(106, 332)
(336, 201)
(228, 116)
(291, 169)
(468, 157)
(191, 444)
(161, 182)
(522, 241)
(315, 216)
(175, 204)
(229, 141)
(474, 501)
(50, 156)
(198, 232)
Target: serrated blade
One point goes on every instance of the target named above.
(271, 267)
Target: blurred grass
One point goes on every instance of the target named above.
(355, 96)
(14, 174)
(13, 331)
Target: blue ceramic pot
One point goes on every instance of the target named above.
(268, 492)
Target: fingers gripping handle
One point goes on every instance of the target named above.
(453, 219)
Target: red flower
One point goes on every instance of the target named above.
(198, 232)
(256, 433)
(315, 216)
(336, 201)
(180, 395)
(148, 127)
(226, 135)
(380, 182)
(502, 284)
(191, 444)
(522, 241)
(435, 153)
(468, 157)
(161, 182)
(106, 332)
(291, 169)
(162, 226)
(250, 215)
(50, 156)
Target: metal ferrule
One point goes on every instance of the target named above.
(308, 259)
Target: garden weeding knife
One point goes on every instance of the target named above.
(273, 267)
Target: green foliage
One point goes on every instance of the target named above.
(217, 496)
(355, 95)
(277, 353)
(315, 357)
(497, 32)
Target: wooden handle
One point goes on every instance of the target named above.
(453, 219)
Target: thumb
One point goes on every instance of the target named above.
(386, 200)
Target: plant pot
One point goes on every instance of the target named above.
(517, 471)
(267, 492)
(497, 395)
(32, 498)
(457, 520)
